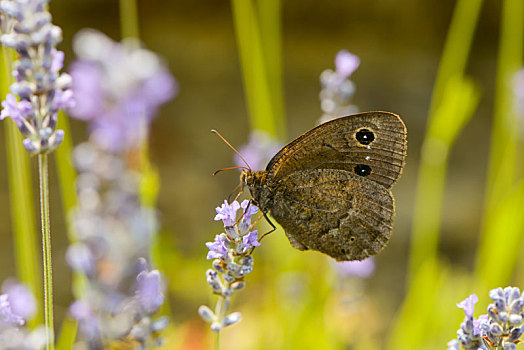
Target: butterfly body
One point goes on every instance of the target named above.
(330, 188)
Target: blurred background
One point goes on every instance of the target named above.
(292, 300)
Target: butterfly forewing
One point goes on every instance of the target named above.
(335, 212)
(371, 145)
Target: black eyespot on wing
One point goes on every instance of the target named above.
(365, 136)
(362, 169)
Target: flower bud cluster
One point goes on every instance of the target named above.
(42, 90)
(337, 90)
(231, 252)
(122, 293)
(17, 305)
(501, 328)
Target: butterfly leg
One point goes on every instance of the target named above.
(269, 221)
(234, 190)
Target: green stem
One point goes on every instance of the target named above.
(220, 310)
(129, 19)
(46, 247)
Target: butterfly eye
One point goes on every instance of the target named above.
(362, 169)
(365, 136)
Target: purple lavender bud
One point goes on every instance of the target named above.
(516, 305)
(478, 323)
(216, 326)
(217, 265)
(232, 318)
(233, 267)
(247, 260)
(346, 63)
(453, 345)
(79, 310)
(150, 290)
(246, 270)
(160, 323)
(30, 146)
(238, 285)
(515, 319)
(515, 334)
(467, 325)
(10, 9)
(7, 316)
(509, 346)
(80, 258)
(468, 305)
(229, 277)
(496, 329)
(21, 300)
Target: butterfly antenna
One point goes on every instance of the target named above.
(233, 148)
(234, 167)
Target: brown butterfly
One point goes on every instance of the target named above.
(330, 188)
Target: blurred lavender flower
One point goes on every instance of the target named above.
(114, 230)
(42, 89)
(119, 88)
(501, 328)
(231, 252)
(361, 269)
(16, 306)
(259, 150)
(337, 89)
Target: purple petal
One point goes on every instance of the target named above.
(10, 108)
(346, 63)
(477, 322)
(468, 305)
(58, 60)
(251, 209)
(227, 213)
(218, 248)
(250, 240)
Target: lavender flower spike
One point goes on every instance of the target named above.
(42, 90)
(501, 328)
(231, 252)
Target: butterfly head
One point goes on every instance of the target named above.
(256, 182)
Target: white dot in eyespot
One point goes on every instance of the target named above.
(368, 157)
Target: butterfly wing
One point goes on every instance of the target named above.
(371, 145)
(335, 212)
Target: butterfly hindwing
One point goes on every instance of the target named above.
(335, 212)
